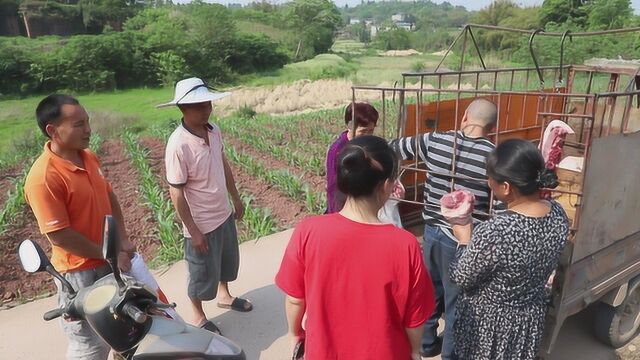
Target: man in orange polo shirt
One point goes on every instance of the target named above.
(70, 197)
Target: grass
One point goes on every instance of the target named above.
(375, 70)
(348, 47)
(133, 108)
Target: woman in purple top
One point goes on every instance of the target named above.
(366, 118)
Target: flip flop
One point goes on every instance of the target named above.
(238, 304)
(210, 326)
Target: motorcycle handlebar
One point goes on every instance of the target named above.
(133, 312)
(52, 314)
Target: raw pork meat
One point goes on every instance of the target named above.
(552, 142)
(457, 207)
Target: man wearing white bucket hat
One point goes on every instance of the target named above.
(200, 182)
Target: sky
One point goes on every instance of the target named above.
(469, 4)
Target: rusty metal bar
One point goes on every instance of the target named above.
(513, 74)
(533, 55)
(454, 155)
(565, 115)
(384, 115)
(464, 31)
(498, 122)
(612, 111)
(416, 153)
(353, 111)
(577, 34)
(626, 115)
(438, 102)
(488, 92)
(462, 53)
(475, 44)
(564, 37)
(467, 72)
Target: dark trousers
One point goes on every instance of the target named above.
(439, 251)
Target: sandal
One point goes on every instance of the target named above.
(210, 326)
(238, 304)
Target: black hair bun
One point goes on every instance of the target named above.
(355, 161)
(547, 179)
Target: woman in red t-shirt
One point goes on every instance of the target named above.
(361, 284)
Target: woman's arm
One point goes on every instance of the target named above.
(474, 263)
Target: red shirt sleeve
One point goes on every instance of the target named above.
(421, 300)
(290, 277)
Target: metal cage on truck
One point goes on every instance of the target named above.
(601, 102)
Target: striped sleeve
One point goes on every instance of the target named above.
(406, 146)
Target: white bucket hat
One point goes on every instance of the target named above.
(193, 91)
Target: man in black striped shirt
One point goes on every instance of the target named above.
(436, 151)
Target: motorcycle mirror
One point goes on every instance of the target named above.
(110, 248)
(32, 257)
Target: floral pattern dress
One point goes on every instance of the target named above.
(502, 275)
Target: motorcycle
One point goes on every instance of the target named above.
(126, 314)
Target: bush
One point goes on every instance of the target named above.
(248, 53)
(245, 112)
(417, 66)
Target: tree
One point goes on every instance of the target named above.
(393, 39)
(316, 21)
(560, 11)
(495, 13)
(608, 14)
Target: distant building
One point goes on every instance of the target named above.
(354, 21)
(405, 25)
(397, 18)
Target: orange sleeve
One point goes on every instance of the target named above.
(48, 203)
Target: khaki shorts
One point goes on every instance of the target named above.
(84, 343)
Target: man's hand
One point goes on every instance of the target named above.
(238, 208)
(124, 261)
(199, 242)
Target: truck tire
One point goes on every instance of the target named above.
(616, 326)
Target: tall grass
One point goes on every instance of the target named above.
(14, 203)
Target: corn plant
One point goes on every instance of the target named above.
(95, 143)
(257, 222)
(155, 198)
(291, 185)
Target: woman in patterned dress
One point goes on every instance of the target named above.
(502, 265)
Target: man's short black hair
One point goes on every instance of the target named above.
(49, 109)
